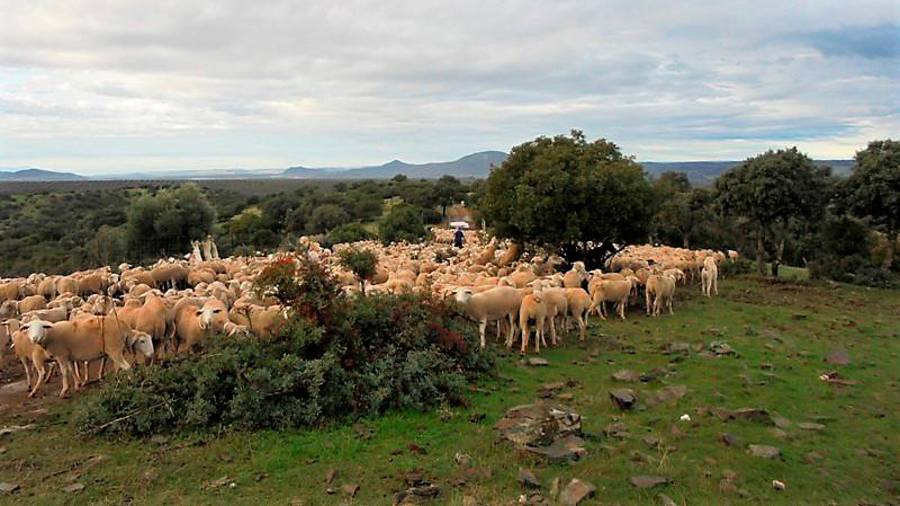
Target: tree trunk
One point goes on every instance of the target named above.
(891, 250)
(760, 253)
(362, 287)
(776, 263)
(686, 242)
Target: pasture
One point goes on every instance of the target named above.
(838, 441)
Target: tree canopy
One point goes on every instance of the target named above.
(565, 190)
(774, 194)
(873, 189)
(168, 221)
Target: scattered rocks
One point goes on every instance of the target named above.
(648, 481)
(462, 459)
(764, 451)
(623, 398)
(833, 378)
(778, 485)
(17, 387)
(781, 422)
(416, 449)
(838, 356)
(221, 482)
(651, 441)
(528, 479)
(778, 433)
(813, 457)
(8, 488)
(417, 494)
(750, 414)
(811, 426)
(541, 429)
(627, 376)
(576, 491)
(537, 362)
(616, 430)
(330, 475)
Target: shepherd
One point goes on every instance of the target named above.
(458, 238)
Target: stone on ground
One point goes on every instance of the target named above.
(576, 491)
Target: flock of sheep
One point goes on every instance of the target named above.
(174, 305)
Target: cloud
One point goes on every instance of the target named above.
(87, 85)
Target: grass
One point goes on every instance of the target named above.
(780, 331)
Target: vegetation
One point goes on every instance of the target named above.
(776, 195)
(337, 358)
(565, 191)
(780, 331)
(362, 263)
(402, 223)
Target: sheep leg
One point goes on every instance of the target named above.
(65, 368)
(621, 308)
(525, 332)
(482, 326)
(102, 366)
(512, 330)
(716, 285)
(553, 338)
(582, 326)
(27, 372)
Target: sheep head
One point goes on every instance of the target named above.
(37, 330)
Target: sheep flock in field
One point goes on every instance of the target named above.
(172, 306)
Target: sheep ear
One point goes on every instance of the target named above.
(199, 312)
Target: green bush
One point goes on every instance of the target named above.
(402, 223)
(856, 269)
(350, 232)
(739, 266)
(354, 357)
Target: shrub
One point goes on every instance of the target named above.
(351, 232)
(360, 262)
(354, 357)
(856, 269)
(402, 223)
(739, 266)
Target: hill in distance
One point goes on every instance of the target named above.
(38, 175)
(475, 165)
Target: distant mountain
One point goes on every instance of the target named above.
(38, 175)
(474, 165)
(706, 172)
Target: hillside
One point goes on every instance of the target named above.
(702, 172)
(38, 175)
(474, 165)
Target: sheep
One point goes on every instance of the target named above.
(578, 302)
(494, 304)
(556, 301)
(149, 317)
(616, 291)
(532, 308)
(194, 322)
(47, 287)
(665, 294)
(32, 356)
(510, 255)
(10, 291)
(576, 276)
(56, 314)
(676, 273)
(67, 284)
(259, 320)
(85, 340)
(709, 277)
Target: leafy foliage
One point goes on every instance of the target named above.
(777, 194)
(402, 223)
(166, 222)
(350, 232)
(566, 190)
(336, 358)
(360, 262)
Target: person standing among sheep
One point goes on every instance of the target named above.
(458, 238)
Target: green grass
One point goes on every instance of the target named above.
(780, 331)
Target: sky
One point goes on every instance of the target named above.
(100, 86)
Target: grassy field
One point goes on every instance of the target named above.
(781, 332)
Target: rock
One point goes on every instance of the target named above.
(221, 482)
(159, 439)
(575, 492)
(754, 415)
(623, 398)
(329, 476)
(648, 481)
(534, 425)
(568, 396)
(811, 426)
(415, 449)
(779, 433)
(727, 486)
(537, 362)
(554, 487)
(12, 429)
(677, 347)
(838, 356)
(477, 417)
(567, 449)
(729, 439)
(616, 430)
(73, 488)
(813, 457)
(778, 485)
(363, 431)
(350, 489)
(528, 479)
(417, 495)
(665, 500)
(666, 395)
(651, 441)
(17, 387)
(721, 348)
(764, 451)
(462, 459)
(781, 422)
(627, 376)
(8, 488)
(557, 385)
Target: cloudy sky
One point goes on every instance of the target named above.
(111, 86)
